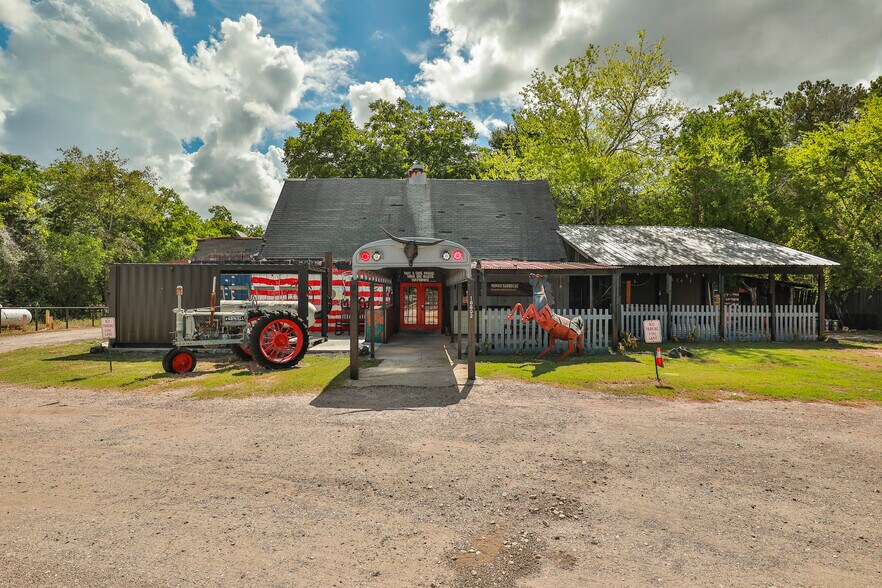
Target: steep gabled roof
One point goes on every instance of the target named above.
(650, 246)
(494, 219)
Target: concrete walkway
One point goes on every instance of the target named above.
(415, 361)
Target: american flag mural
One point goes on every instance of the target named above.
(284, 287)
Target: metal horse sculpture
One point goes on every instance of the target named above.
(557, 327)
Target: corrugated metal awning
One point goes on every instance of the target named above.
(650, 246)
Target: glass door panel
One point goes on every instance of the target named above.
(431, 316)
(409, 306)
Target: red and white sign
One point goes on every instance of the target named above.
(108, 327)
(652, 332)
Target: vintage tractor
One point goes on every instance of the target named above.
(268, 332)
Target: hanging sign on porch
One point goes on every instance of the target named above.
(652, 331)
(419, 276)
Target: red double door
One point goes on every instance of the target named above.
(420, 305)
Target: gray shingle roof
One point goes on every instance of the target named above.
(680, 246)
(494, 219)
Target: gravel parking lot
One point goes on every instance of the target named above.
(507, 485)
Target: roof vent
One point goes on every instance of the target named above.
(416, 175)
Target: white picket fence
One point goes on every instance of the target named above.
(501, 335)
(743, 323)
(797, 323)
(689, 322)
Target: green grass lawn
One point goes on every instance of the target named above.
(72, 366)
(850, 372)
(843, 372)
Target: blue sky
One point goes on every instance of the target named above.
(205, 91)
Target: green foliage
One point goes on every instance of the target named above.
(61, 226)
(834, 195)
(594, 128)
(395, 136)
(722, 170)
(817, 103)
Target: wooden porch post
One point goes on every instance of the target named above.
(822, 307)
(590, 292)
(473, 324)
(459, 321)
(353, 328)
(615, 307)
(722, 290)
(669, 302)
(773, 311)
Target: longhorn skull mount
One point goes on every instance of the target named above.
(411, 246)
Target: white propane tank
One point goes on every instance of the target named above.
(14, 317)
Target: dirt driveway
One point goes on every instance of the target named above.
(513, 485)
(43, 338)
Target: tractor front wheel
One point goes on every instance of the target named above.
(179, 361)
(279, 340)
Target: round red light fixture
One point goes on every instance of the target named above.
(457, 255)
(365, 256)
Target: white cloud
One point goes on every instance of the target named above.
(16, 14)
(486, 126)
(492, 46)
(110, 74)
(361, 96)
(185, 7)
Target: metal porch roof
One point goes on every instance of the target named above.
(651, 246)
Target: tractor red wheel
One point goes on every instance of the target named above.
(279, 340)
(179, 361)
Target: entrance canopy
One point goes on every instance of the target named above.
(378, 261)
(414, 252)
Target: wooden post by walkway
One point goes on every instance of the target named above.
(450, 294)
(459, 321)
(373, 321)
(822, 307)
(353, 328)
(773, 311)
(303, 293)
(669, 305)
(722, 290)
(473, 324)
(327, 284)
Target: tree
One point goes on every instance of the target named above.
(835, 194)
(396, 135)
(221, 224)
(723, 167)
(816, 103)
(592, 126)
(328, 147)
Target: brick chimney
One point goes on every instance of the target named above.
(416, 175)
